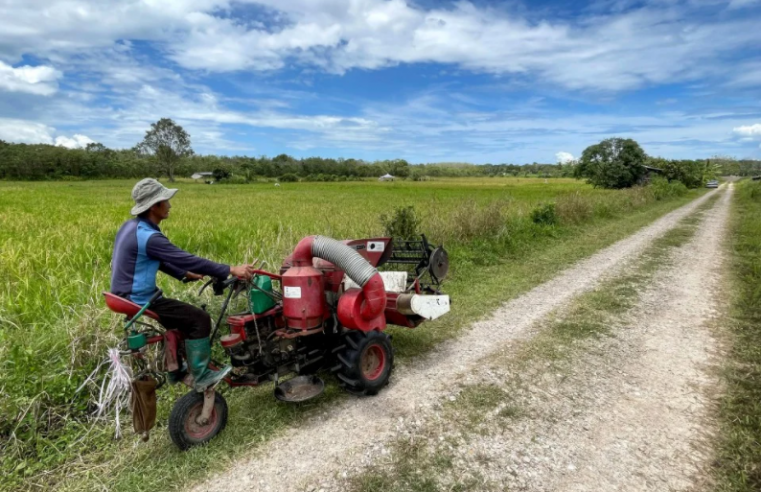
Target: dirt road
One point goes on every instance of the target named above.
(335, 442)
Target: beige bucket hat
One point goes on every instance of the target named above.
(147, 192)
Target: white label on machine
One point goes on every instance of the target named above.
(392, 282)
(430, 307)
(292, 292)
(375, 246)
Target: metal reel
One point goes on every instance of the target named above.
(438, 264)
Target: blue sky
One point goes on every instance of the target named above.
(427, 81)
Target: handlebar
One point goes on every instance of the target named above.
(219, 286)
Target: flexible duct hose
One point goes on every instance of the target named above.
(346, 258)
(352, 263)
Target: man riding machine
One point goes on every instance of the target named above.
(140, 251)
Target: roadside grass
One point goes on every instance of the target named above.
(55, 243)
(483, 408)
(738, 464)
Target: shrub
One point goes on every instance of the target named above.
(220, 174)
(663, 189)
(755, 190)
(288, 178)
(403, 223)
(544, 214)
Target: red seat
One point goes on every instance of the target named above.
(123, 306)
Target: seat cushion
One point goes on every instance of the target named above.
(124, 306)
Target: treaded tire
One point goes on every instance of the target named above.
(184, 431)
(366, 362)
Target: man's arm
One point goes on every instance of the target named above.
(159, 248)
(172, 270)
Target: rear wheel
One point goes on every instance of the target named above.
(183, 428)
(366, 362)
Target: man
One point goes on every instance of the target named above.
(141, 250)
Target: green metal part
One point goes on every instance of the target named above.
(260, 301)
(136, 341)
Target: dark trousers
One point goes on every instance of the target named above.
(191, 321)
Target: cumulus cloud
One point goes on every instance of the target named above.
(748, 131)
(21, 131)
(76, 142)
(617, 50)
(40, 80)
(564, 157)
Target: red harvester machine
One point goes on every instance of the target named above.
(330, 312)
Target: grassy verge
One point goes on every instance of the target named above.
(496, 257)
(738, 465)
(432, 459)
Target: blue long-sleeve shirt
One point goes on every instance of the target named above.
(141, 250)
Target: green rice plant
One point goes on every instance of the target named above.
(55, 250)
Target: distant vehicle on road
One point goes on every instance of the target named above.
(712, 184)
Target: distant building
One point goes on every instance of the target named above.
(386, 177)
(649, 173)
(204, 174)
(653, 170)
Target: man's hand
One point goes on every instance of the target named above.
(192, 277)
(244, 272)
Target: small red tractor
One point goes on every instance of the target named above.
(330, 312)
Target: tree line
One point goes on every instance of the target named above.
(166, 151)
(48, 162)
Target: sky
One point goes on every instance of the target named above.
(425, 81)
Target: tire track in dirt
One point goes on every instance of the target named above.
(648, 430)
(328, 442)
(628, 411)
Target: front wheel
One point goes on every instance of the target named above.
(365, 362)
(183, 427)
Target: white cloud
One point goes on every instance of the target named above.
(21, 131)
(564, 157)
(662, 42)
(748, 131)
(76, 142)
(40, 80)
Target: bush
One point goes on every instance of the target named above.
(663, 189)
(754, 189)
(288, 178)
(544, 214)
(220, 174)
(403, 223)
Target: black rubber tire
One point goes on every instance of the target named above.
(182, 420)
(357, 377)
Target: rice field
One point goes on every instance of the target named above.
(55, 248)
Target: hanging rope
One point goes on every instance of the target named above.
(115, 389)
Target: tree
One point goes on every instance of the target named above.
(95, 147)
(168, 142)
(612, 163)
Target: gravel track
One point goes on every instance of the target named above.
(626, 412)
(329, 443)
(654, 381)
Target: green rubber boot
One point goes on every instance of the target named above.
(199, 356)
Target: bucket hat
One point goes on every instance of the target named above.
(148, 192)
